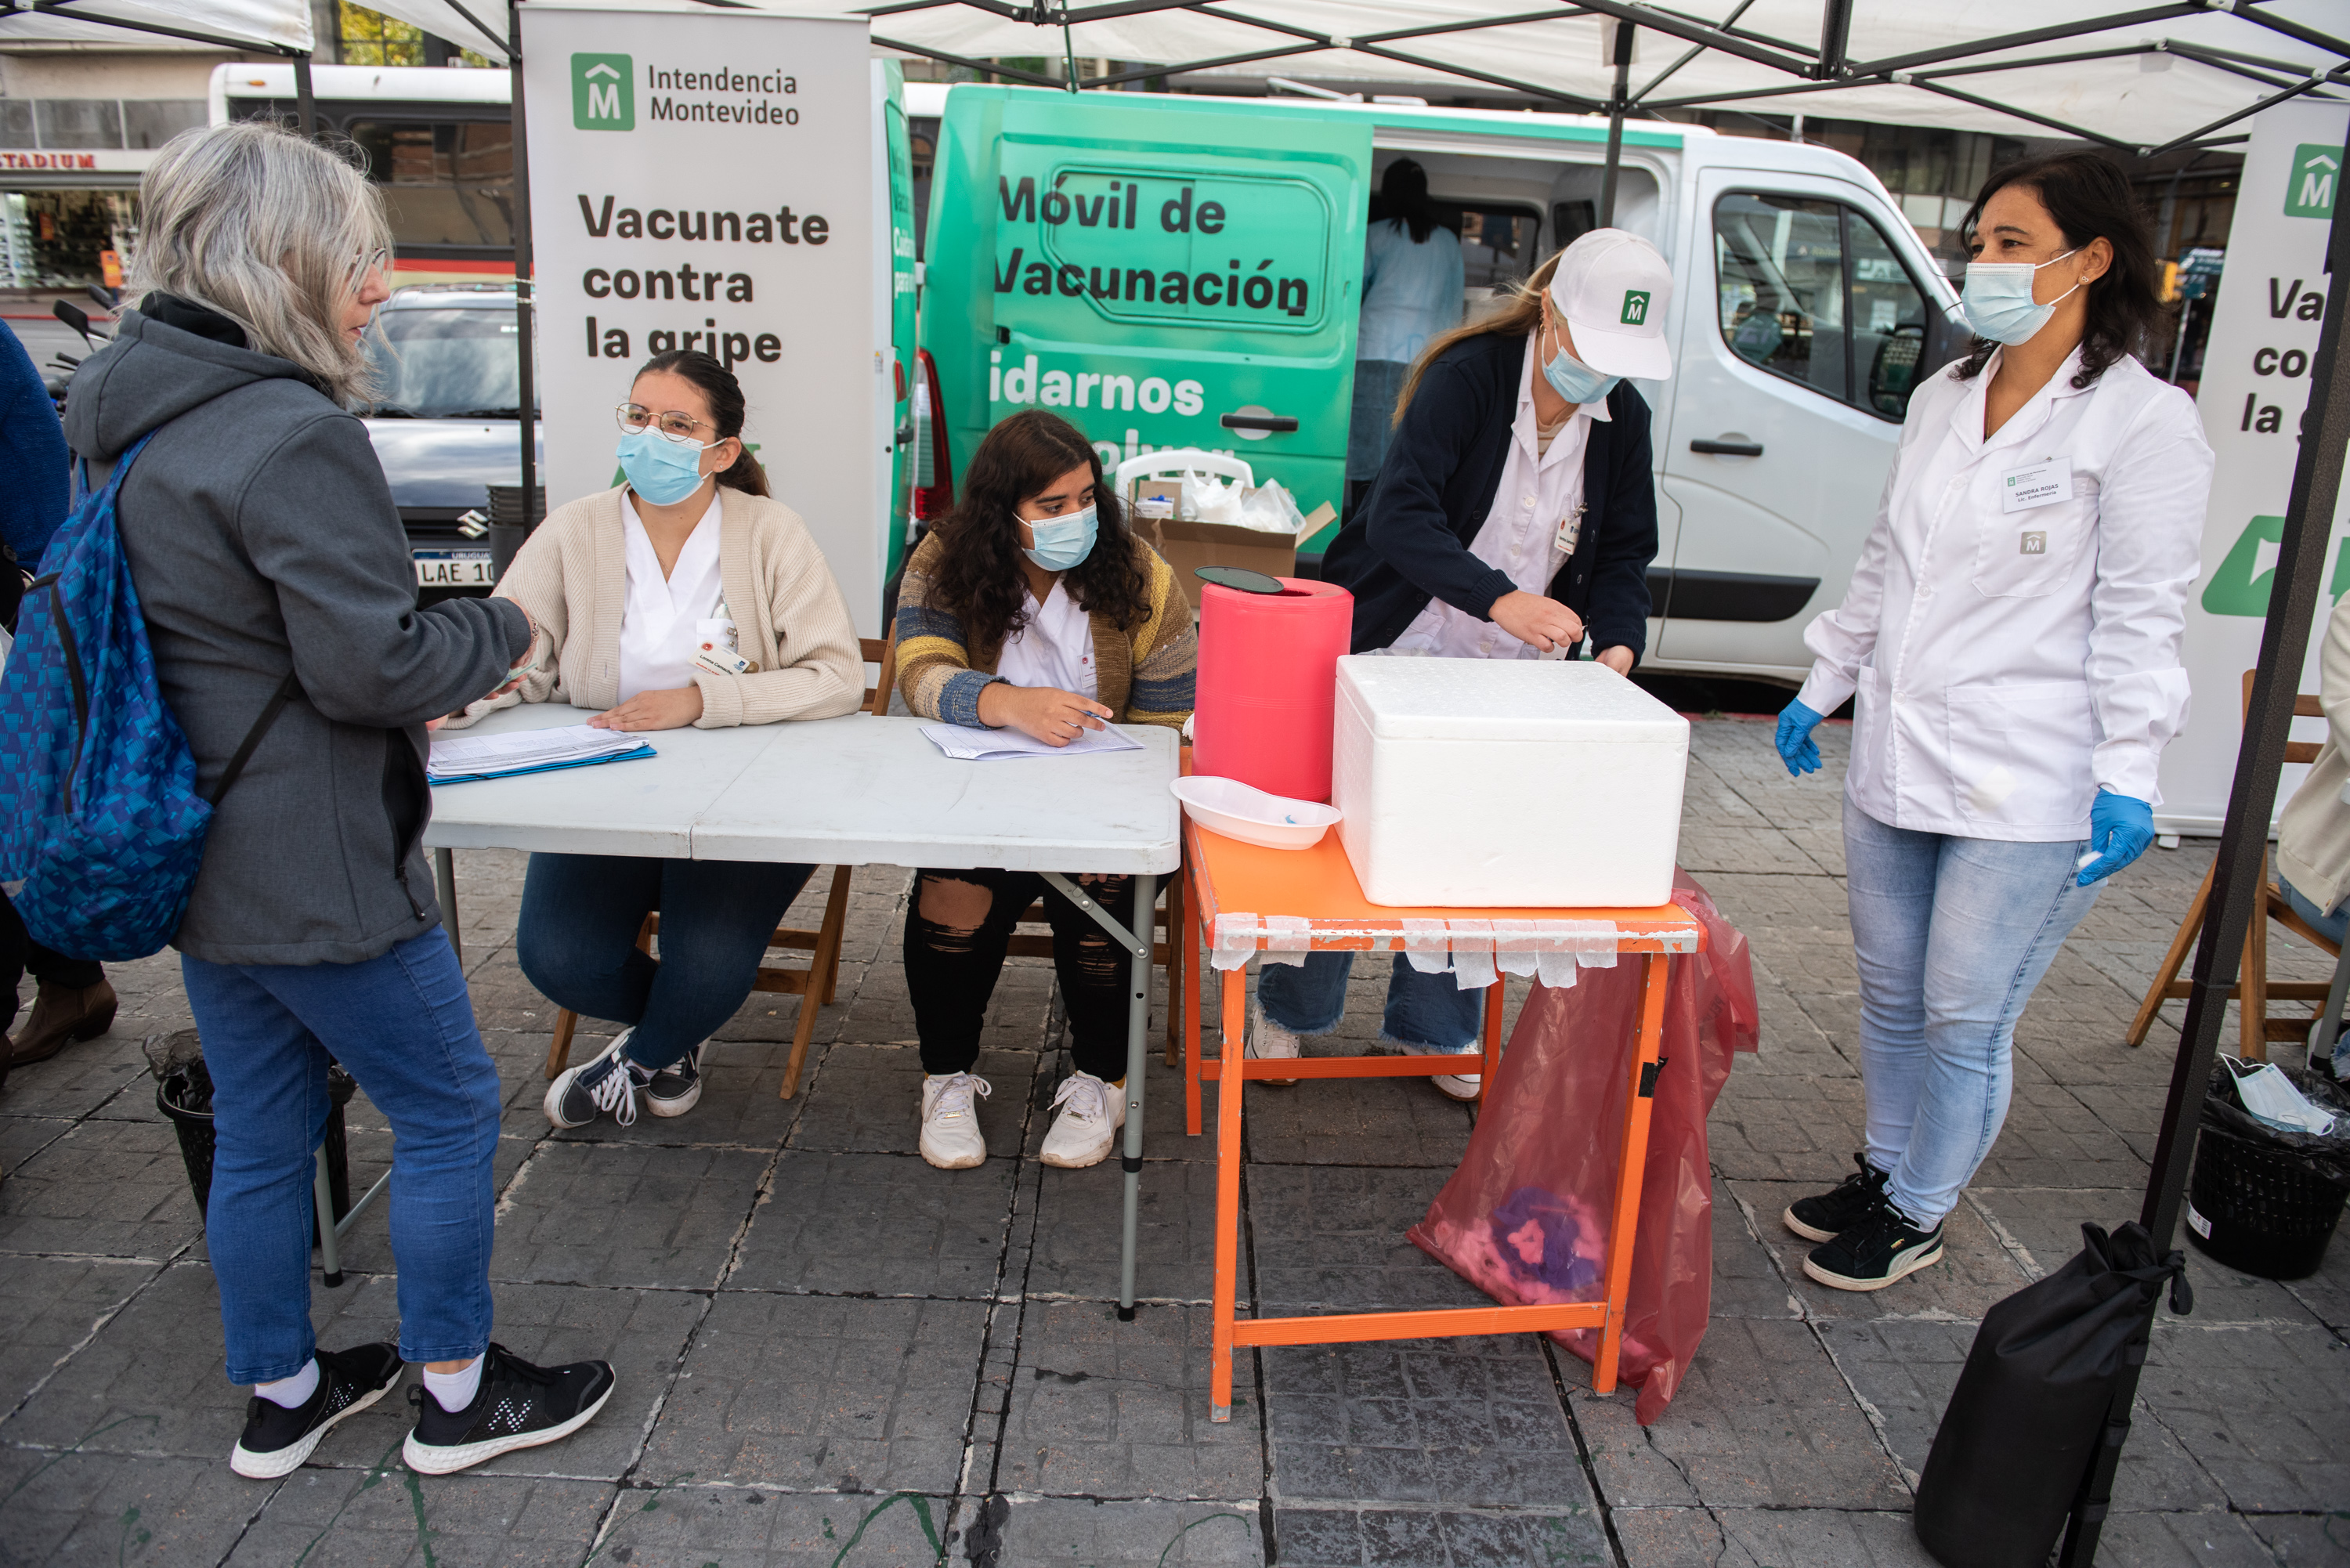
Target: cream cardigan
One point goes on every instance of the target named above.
(790, 620)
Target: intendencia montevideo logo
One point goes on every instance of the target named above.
(604, 95)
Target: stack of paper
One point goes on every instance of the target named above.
(987, 745)
(466, 757)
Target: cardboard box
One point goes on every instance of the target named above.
(1190, 545)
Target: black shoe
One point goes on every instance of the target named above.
(1872, 1252)
(676, 1088)
(609, 1083)
(519, 1405)
(1825, 1218)
(277, 1439)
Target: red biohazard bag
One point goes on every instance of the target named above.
(1524, 1218)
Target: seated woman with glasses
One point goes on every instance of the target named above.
(627, 588)
(1032, 608)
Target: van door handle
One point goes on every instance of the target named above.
(1258, 422)
(1728, 448)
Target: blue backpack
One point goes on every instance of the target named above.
(102, 829)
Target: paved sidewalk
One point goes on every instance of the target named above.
(831, 1355)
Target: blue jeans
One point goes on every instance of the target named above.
(402, 1025)
(1952, 937)
(2334, 924)
(578, 941)
(1428, 1013)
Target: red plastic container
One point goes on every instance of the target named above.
(1268, 681)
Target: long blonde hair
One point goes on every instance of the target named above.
(1518, 318)
(270, 230)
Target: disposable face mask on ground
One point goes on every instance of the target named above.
(1062, 541)
(662, 471)
(1998, 300)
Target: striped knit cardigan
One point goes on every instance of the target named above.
(1145, 675)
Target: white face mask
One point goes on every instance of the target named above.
(1998, 300)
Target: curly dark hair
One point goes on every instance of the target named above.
(2090, 200)
(978, 574)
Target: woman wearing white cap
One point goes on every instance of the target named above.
(1516, 515)
(2012, 637)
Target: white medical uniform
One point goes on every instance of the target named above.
(1055, 649)
(2012, 631)
(660, 623)
(1540, 489)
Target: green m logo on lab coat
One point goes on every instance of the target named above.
(603, 92)
(2240, 585)
(1636, 307)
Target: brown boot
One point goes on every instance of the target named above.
(61, 1014)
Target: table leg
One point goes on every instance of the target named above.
(331, 1256)
(1180, 960)
(444, 888)
(1641, 1101)
(1495, 995)
(1137, 1063)
(1193, 934)
(1228, 1195)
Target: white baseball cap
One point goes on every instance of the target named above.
(1615, 290)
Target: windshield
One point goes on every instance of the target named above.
(446, 363)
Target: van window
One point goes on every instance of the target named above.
(444, 184)
(1812, 291)
(1497, 246)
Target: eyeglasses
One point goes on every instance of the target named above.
(368, 264)
(673, 425)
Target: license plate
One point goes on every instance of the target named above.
(454, 569)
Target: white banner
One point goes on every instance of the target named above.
(2256, 386)
(704, 179)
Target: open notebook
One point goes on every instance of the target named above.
(988, 745)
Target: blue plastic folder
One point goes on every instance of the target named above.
(464, 759)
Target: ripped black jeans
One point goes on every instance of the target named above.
(951, 963)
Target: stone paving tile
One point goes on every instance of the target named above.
(1747, 1282)
(52, 1306)
(101, 1076)
(1086, 1532)
(879, 1224)
(1353, 1121)
(2266, 1414)
(1465, 1423)
(22, 1138)
(634, 1214)
(2305, 1540)
(1437, 1537)
(812, 1393)
(1332, 1237)
(108, 1189)
(1080, 1221)
(1975, 1270)
(110, 1507)
(2177, 1539)
(746, 1527)
(1757, 1538)
(385, 1517)
(1101, 1408)
(867, 1099)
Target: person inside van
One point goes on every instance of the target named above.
(1032, 608)
(1411, 291)
(2012, 641)
(1515, 516)
(626, 586)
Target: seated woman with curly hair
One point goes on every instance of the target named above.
(1032, 608)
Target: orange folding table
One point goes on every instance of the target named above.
(1318, 885)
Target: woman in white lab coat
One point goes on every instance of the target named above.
(2010, 638)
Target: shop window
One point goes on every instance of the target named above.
(16, 123)
(1812, 291)
(150, 122)
(78, 122)
(55, 237)
(444, 184)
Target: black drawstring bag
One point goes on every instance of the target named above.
(2035, 1399)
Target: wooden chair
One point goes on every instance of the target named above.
(816, 983)
(2254, 988)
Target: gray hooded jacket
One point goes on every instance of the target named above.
(263, 538)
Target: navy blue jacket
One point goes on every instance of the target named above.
(32, 455)
(1408, 541)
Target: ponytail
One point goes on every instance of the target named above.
(717, 383)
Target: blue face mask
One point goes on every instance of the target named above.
(661, 471)
(1576, 381)
(1062, 541)
(1998, 300)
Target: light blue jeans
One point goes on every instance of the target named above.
(1952, 937)
(1426, 1013)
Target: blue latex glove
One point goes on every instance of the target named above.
(2120, 828)
(1796, 747)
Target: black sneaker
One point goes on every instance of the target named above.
(519, 1405)
(609, 1083)
(277, 1439)
(1825, 1218)
(676, 1088)
(1873, 1251)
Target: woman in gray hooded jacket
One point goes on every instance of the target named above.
(263, 541)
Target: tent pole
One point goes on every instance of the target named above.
(305, 102)
(1616, 105)
(526, 328)
(2236, 887)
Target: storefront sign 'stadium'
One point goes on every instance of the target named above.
(1151, 246)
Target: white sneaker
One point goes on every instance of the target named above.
(1091, 1113)
(951, 1137)
(1268, 1040)
(1456, 1086)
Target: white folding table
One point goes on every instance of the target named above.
(853, 791)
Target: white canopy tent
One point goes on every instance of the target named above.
(279, 27)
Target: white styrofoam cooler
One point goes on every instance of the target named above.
(1485, 781)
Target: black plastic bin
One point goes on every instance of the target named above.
(2263, 1201)
(185, 1098)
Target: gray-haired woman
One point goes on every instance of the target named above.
(263, 541)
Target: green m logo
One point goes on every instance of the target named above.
(603, 92)
(1636, 307)
(2310, 185)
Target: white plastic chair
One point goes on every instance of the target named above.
(1177, 461)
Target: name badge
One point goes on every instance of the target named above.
(2041, 484)
(1570, 531)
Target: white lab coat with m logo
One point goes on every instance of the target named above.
(2009, 659)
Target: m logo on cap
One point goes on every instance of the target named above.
(1636, 307)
